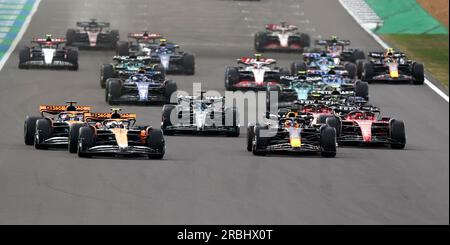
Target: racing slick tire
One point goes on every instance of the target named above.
(250, 136)
(298, 66)
(71, 36)
(362, 90)
(259, 148)
(166, 122)
(122, 48)
(328, 142)
(334, 122)
(397, 134)
(305, 40)
(233, 130)
(114, 38)
(169, 89)
(72, 57)
(357, 55)
(231, 78)
(189, 64)
(418, 74)
(114, 91)
(351, 70)
(24, 56)
(368, 72)
(359, 68)
(260, 40)
(74, 132)
(155, 141)
(43, 132)
(29, 129)
(106, 72)
(85, 141)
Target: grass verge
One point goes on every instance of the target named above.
(431, 50)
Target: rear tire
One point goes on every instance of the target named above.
(85, 141)
(71, 35)
(358, 55)
(24, 56)
(259, 148)
(30, 129)
(166, 122)
(362, 90)
(305, 40)
(114, 38)
(72, 57)
(114, 91)
(328, 142)
(106, 72)
(397, 133)
(122, 49)
(43, 132)
(259, 41)
(74, 132)
(169, 89)
(250, 136)
(334, 122)
(418, 74)
(155, 141)
(231, 78)
(232, 113)
(189, 64)
(368, 71)
(359, 68)
(351, 70)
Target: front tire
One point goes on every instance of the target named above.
(85, 141)
(155, 141)
(397, 133)
(74, 132)
(328, 142)
(43, 133)
(30, 129)
(106, 72)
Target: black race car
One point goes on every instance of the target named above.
(200, 115)
(339, 49)
(141, 88)
(293, 133)
(93, 35)
(391, 67)
(48, 52)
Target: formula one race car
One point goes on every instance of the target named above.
(93, 35)
(51, 129)
(115, 134)
(48, 53)
(294, 132)
(139, 44)
(172, 59)
(255, 74)
(125, 66)
(338, 49)
(282, 37)
(303, 87)
(141, 88)
(364, 125)
(200, 114)
(391, 67)
(322, 64)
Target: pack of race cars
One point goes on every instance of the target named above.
(322, 99)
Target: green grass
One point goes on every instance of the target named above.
(431, 50)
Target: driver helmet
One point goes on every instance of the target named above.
(141, 70)
(48, 37)
(389, 53)
(258, 57)
(162, 42)
(283, 24)
(334, 39)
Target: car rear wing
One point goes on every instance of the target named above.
(85, 24)
(131, 57)
(100, 116)
(144, 36)
(55, 109)
(331, 42)
(381, 55)
(45, 41)
(248, 61)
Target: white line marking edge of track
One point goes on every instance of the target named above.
(384, 45)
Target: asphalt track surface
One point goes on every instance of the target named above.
(214, 180)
